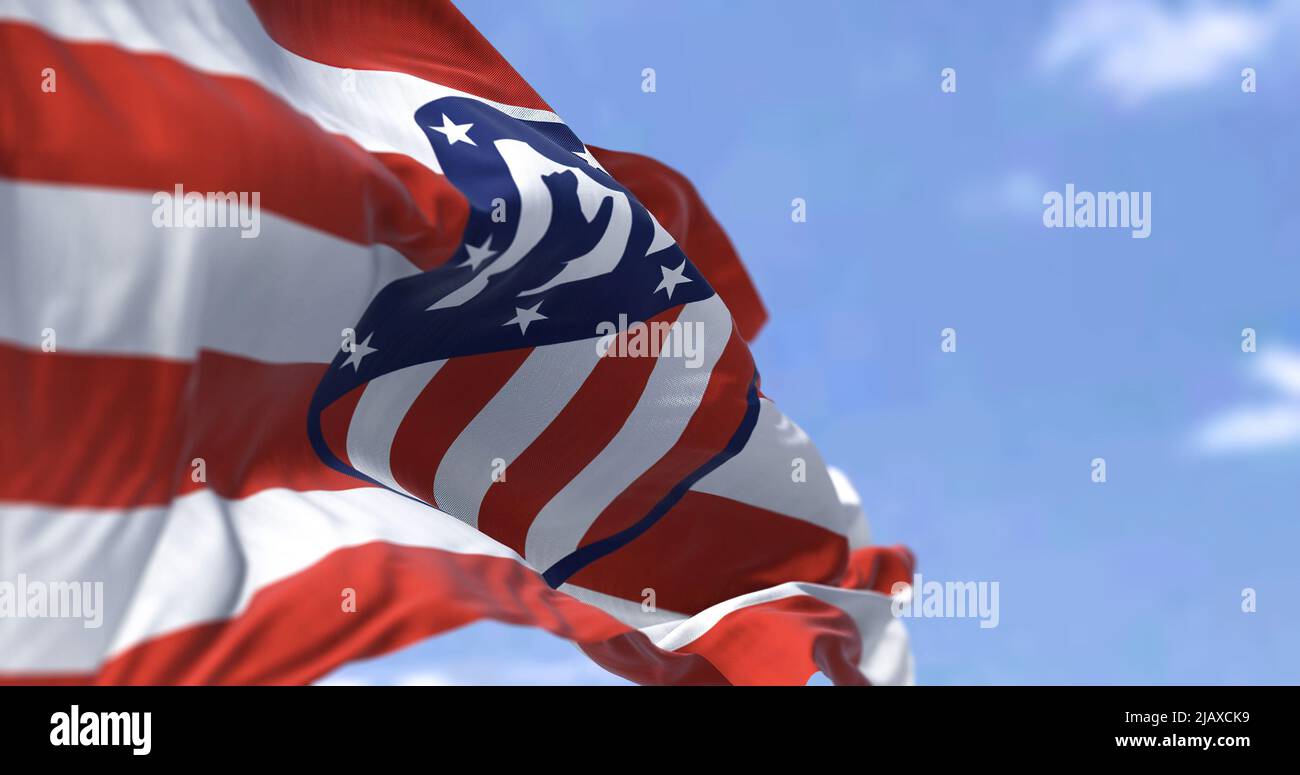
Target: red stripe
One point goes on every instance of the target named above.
(783, 642)
(429, 40)
(707, 549)
(147, 122)
(681, 211)
(294, 631)
(878, 568)
(336, 421)
(710, 428)
(117, 431)
(455, 395)
(573, 439)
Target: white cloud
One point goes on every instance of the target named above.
(426, 678)
(476, 671)
(1281, 369)
(1134, 49)
(1274, 423)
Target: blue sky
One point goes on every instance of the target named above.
(924, 211)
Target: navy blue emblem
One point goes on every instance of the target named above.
(553, 246)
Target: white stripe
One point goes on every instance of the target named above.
(669, 400)
(201, 560)
(764, 473)
(851, 504)
(633, 613)
(226, 38)
(886, 654)
(512, 420)
(672, 636)
(96, 271)
(48, 544)
(383, 405)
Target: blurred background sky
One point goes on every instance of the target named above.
(924, 211)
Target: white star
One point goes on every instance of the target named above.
(589, 158)
(478, 255)
(358, 352)
(525, 316)
(672, 278)
(454, 132)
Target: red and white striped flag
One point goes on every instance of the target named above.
(321, 334)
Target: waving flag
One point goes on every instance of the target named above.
(322, 334)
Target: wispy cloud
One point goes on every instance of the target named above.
(1016, 193)
(1135, 49)
(1275, 422)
